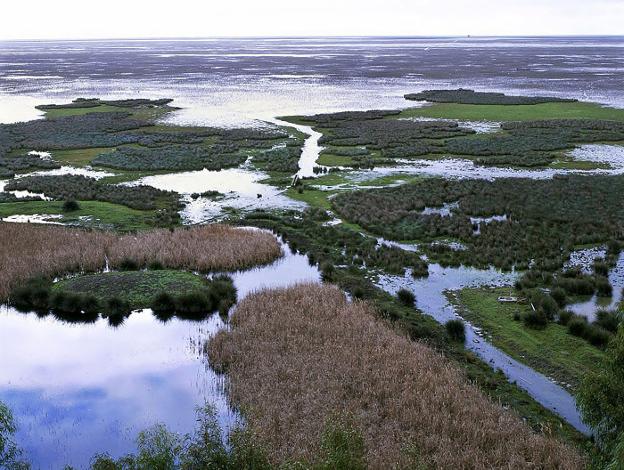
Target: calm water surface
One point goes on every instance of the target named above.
(78, 389)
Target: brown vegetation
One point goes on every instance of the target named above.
(27, 251)
(297, 358)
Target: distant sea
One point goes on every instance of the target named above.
(234, 82)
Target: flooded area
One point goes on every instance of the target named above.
(431, 298)
(240, 189)
(590, 306)
(87, 388)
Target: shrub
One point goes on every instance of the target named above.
(117, 307)
(406, 297)
(155, 265)
(193, 305)
(559, 295)
(577, 326)
(535, 319)
(128, 264)
(601, 268)
(71, 206)
(163, 305)
(610, 321)
(597, 336)
(603, 287)
(564, 317)
(456, 329)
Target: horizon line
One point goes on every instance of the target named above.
(248, 37)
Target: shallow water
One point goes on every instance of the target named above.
(238, 81)
(589, 307)
(241, 188)
(431, 299)
(78, 389)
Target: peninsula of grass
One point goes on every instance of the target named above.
(138, 288)
(521, 112)
(92, 214)
(553, 351)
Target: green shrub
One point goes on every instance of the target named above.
(564, 317)
(193, 305)
(456, 329)
(117, 307)
(559, 295)
(610, 321)
(406, 297)
(535, 319)
(71, 206)
(163, 305)
(577, 326)
(128, 264)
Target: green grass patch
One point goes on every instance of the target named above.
(313, 197)
(551, 351)
(136, 287)
(472, 112)
(93, 214)
(79, 157)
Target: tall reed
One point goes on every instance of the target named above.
(298, 357)
(28, 250)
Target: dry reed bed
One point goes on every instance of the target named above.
(28, 250)
(296, 357)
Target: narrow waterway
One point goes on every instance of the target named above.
(431, 299)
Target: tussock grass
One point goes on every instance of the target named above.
(28, 251)
(300, 356)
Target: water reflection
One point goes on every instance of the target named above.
(241, 188)
(78, 389)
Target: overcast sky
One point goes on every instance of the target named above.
(53, 19)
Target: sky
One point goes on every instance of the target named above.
(80, 19)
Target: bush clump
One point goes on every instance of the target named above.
(406, 297)
(456, 330)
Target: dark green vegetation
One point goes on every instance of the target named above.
(76, 187)
(88, 103)
(366, 139)
(163, 205)
(158, 448)
(116, 294)
(465, 96)
(124, 135)
(369, 138)
(12, 164)
(10, 453)
(550, 349)
(337, 250)
(545, 219)
(600, 399)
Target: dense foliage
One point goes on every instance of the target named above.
(601, 397)
(82, 188)
(543, 220)
(465, 96)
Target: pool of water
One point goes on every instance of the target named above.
(78, 389)
(241, 189)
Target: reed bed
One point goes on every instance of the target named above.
(296, 358)
(202, 248)
(28, 250)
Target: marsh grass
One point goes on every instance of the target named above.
(28, 251)
(299, 356)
